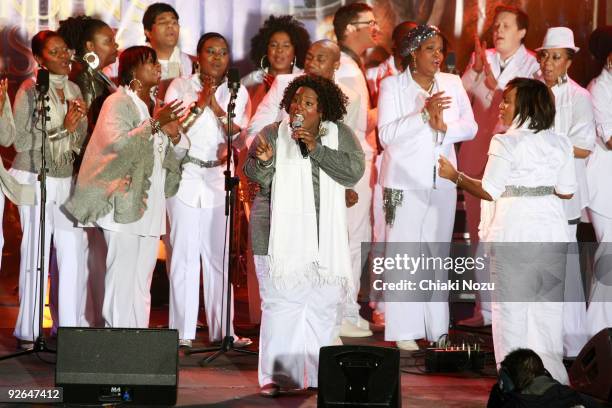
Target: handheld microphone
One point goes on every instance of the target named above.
(297, 123)
(42, 81)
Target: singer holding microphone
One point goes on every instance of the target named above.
(422, 113)
(196, 213)
(298, 229)
(130, 166)
(66, 126)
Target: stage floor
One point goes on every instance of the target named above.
(231, 380)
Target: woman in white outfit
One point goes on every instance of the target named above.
(66, 130)
(130, 165)
(599, 167)
(421, 114)
(279, 47)
(196, 213)
(529, 170)
(298, 230)
(574, 119)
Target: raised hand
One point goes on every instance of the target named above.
(263, 151)
(479, 54)
(490, 81)
(209, 87)
(169, 112)
(435, 105)
(74, 114)
(305, 136)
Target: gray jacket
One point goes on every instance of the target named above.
(117, 165)
(345, 166)
(28, 139)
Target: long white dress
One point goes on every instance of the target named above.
(599, 167)
(523, 158)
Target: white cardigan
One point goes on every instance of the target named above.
(411, 152)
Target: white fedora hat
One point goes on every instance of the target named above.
(559, 37)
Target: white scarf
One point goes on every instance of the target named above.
(174, 64)
(61, 144)
(296, 255)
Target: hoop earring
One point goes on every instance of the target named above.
(135, 85)
(322, 129)
(261, 63)
(294, 61)
(92, 60)
(562, 79)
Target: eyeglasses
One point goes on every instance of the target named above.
(370, 23)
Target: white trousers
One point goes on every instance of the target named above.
(295, 324)
(575, 334)
(378, 229)
(130, 262)
(68, 243)
(197, 243)
(423, 216)
(534, 325)
(95, 271)
(359, 220)
(599, 313)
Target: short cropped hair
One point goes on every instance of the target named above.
(330, 99)
(522, 366)
(522, 19)
(345, 15)
(131, 58)
(154, 10)
(534, 101)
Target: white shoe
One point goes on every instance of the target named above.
(184, 343)
(363, 323)
(349, 329)
(408, 345)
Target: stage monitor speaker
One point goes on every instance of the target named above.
(117, 365)
(359, 376)
(591, 373)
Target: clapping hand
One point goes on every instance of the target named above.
(3, 93)
(482, 64)
(170, 112)
(76, 111)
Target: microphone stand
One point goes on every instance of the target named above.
(231, 184)
(40, 344)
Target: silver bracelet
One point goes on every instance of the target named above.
(264, 165)
(425, 115)
(155, 126)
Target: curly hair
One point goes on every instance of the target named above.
(76, 31)
(300, 39)
(331, 100)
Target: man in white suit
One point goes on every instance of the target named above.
(484, 80)
(356, 29)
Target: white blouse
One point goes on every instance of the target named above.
(599, 164)
(574, 119)
(203, 187)
(521, 157)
